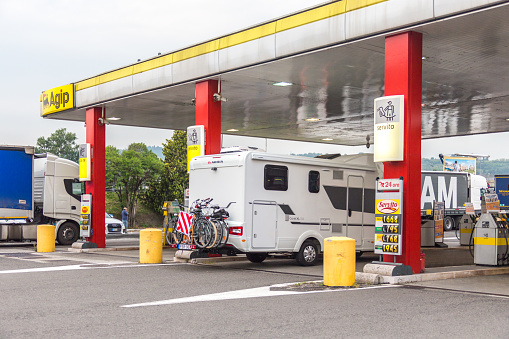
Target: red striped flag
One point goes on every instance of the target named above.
(184, 224)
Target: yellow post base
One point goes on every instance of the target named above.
(45, 238)
(151, 246)
(339, 261)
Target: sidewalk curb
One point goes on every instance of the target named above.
(443, 275)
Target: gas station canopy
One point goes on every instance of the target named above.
(314, 75)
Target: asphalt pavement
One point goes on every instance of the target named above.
(107, 293)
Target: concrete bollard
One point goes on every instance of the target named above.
(339, 261)
(45, 238)
(151, 246)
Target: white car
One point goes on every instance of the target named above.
(113, 226)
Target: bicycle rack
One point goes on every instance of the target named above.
(204, 253)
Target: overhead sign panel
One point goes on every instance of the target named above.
(195, 142)
(389, 128)
(85, 162)
(460, 164)
(57, 99)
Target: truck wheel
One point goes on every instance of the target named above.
(448, 223)
(308, 254)
(256, 257)
(68, 233)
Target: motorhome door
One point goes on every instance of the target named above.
(355, 203)
(264, 224)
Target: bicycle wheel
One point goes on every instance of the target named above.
(169, 230)
(178, 237)
(219, 231)
(201, 233)
(226, 233)
(213, 235)
(222, 232)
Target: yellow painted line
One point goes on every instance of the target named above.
(152, 64)
(247, 35)
(195, 51)
(120, 73)
(296, 20)
(310, 16)
(352, 5)
(490, 241)
(87, 83)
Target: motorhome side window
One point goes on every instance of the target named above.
(314, 182)
(276, 178)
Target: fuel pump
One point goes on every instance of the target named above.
(86, 216)
(467, 224)
(491, 234)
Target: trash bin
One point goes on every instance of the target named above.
(151, 246)
(45, 238)
(339, 261)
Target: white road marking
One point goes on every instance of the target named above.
(79, 267)
(257, 292)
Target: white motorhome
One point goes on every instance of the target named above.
(289, 203)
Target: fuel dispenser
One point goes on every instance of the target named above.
(86, 216)
(466, 229)
(466, 226)
(491, 234)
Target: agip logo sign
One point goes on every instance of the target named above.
(57, 99)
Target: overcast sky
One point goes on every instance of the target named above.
(45, 44)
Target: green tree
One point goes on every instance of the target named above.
(128, 173)
(61, 143)
(174, 178)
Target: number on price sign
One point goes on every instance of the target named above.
(390, 219)
(390, 238)
(390, 248)
(394, 229)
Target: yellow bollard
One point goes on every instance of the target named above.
(339, 261)
(45, 238)
(151, 246)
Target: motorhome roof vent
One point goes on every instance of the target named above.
(235, 149)
(328, 156)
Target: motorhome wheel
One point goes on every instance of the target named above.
(256, 257)
(308, 254)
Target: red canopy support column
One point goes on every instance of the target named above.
(97, 186)
(403, 75)
(208, 114)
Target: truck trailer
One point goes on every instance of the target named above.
(502, 190)
(38, 189)
(454, 189)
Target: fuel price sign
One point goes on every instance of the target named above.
(388, 220)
